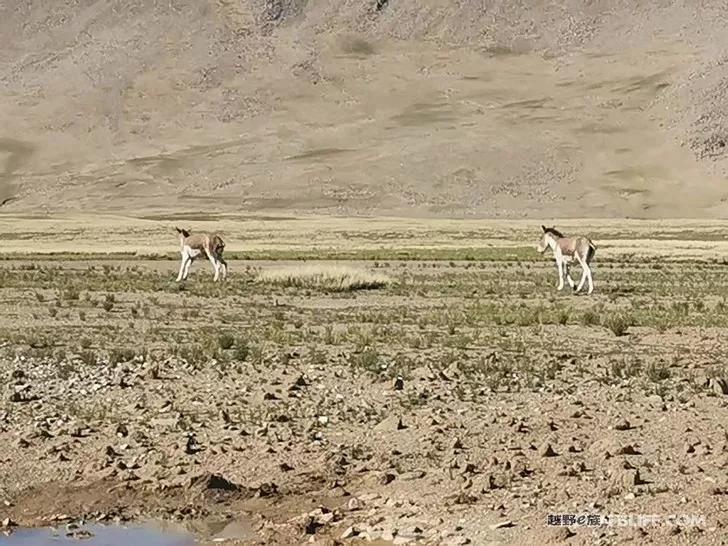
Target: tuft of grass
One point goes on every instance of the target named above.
(71, 293)
(334, 278)
(108, 304)
(657, 371)
(618, 323)
(225, 341)
(589, 318)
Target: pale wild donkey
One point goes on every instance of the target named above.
(567, 250)
(195, 245)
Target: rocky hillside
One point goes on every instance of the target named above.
(386, 107)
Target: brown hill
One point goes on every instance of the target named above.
(399, 107)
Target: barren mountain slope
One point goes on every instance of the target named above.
(427, 108)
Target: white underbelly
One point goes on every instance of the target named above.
(192, 252)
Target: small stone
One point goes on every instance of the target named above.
(623, 425)
(350, 532)
(547, 451)
(502, 525)
(7, 523)
(456, 540)
(390, 423)
(386, 478)
(412, 475)
(631, 478)
(323, 420)
(719, 386)
(299, 383)
(398, 384)
(353, 504)
(627, 450)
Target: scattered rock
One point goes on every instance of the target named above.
(622, 425)
(386, 478)
(628, 450)
(267, 489)
(350, 532)
(557, 535)
(456, 540)
(547, 451)
(632, 478)
(398, 384)
(718, 385)
(412, 475)
(213, 482)
(391, 423)
(502, 525)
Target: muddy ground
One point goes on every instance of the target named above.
(464, 403)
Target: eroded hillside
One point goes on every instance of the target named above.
(405, 107)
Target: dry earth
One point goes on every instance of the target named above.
(462, 403)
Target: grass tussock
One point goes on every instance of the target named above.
(334, 278)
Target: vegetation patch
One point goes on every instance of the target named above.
(332, 278)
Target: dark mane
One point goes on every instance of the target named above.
(184, 232)
(553, 231)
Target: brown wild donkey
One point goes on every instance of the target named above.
(567, 250)
(194, 245)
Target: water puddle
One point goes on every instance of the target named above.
(99, 535)
(147, 534)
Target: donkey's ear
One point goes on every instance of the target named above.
(178, 229)
(543, 228)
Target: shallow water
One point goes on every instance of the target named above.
(101, 535)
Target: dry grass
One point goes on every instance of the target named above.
(336, 278)
(271, 237)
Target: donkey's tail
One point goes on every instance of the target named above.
(592, 250)
(219, 244)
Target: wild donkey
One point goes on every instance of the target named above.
(566, 250)
(193, 246)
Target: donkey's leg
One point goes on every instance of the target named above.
(182, 268)
(584, 273)
(568, 276)
(587, 268)
(187, 267)
(560, 267)
(215, 266)
(223, 265)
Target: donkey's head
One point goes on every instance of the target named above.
(548, 238)
(182, 232)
